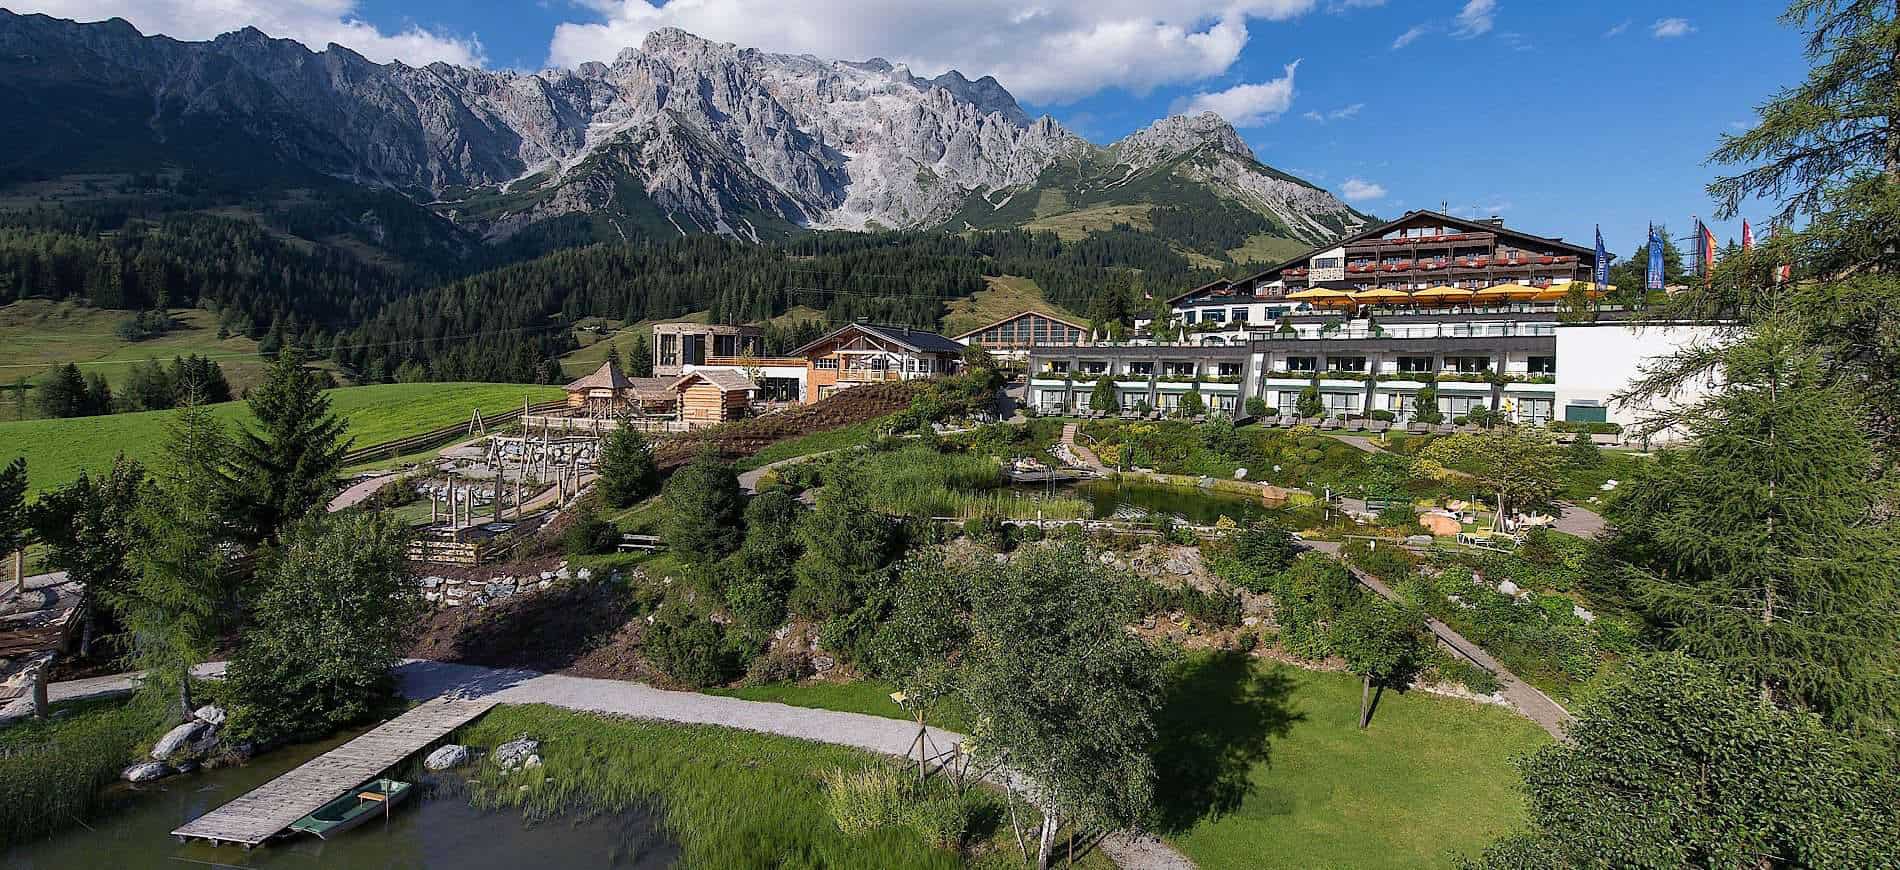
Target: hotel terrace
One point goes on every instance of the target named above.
(1470, 308)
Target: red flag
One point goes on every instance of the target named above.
(1748, 236)
(1708, 250)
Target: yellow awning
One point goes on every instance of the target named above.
(1562, 291)
(1382, 295)
(1506, 291)
(1443, 293)
(1317, 294)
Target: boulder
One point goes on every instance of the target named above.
(515, 752)
(1240, 474)
(210, 714)
(584, 574)
(177, 739)
(187, 767)
(1508, 588)
(146, 771)
(531, 762)
(1577, 611)
(446, 757)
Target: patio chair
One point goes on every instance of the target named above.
(1378, 426)
(1329, 424)
(1416, 428)
(1444, 429)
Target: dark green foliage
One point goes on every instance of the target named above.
(13, 514)
(845, 544)
(1192, 405)
(1383, 642)
(198, 380)
(590, 534)
(1307, 596)
(1103, 397)
(1215, 610)
(64, 394)
(1674, 765)
(691, 649)
(640, 357)
(1583, 452)
(1764, 546)
(327, 628)
(288, 466)
(1256, 406)
(760, 575)
(703, 510)
(1255, 556)
(1308, 405)
(87, 528)
(1425, 406)
(628, 473)
(178, 600)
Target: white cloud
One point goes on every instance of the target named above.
(1475, 19)
(1618, 29)
(1360, 190)
(315, 23)
(1669, 28)
(1048, 52)
(1343, 113)
(1244, 105)
(1410, 36)
(1495, 207)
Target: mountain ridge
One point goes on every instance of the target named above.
(680, 134)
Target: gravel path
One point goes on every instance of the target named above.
(426, 679)
(95, 687)
(1526, 698)
(749, 480)
(361, 490)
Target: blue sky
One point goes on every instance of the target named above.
(1556, 116)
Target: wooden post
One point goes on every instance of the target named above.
(40, 706)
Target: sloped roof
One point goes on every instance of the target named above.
(607, 377)
(1477, 226)
(726, 380)
(911, 339)
(1019, 315)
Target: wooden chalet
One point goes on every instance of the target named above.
(867, 353)
(607, 393)
(710, 395)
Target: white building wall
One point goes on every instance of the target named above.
(1594, 361)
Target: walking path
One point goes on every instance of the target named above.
(1082, 454)
(95, 687)
(749, 480)
(1576, 520)
(426, 679)
(361, 490)
(1533, 703)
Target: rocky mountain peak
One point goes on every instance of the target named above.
(1175, 135)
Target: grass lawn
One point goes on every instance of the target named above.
(57, 450)
(1003, 296)
(1262, 765)
(817, 442)
(732, 798)
(1582, 484)
(38, 334)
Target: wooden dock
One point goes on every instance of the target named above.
(267, 810)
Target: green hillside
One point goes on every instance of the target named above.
(1006, 295)
(38, 334)
(57, 450)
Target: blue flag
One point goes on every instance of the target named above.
(1602, 275)
(1655, 281)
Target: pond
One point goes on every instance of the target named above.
(1135, 501)
(436, 829)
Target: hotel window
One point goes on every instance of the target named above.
(1302, 363)
(830, 363)
(1179, 369)
(1238, 315)
(1094, 367)
(1229, 369)
(1536, 412)
(1415, 364)
(1187, 316)
(1058, 367)
(1289, 403)
(1213, 315)
(1340, 403)
(1459, 406)
(1142, 368)
(1469, 363)
(1346, 363)
(1543, 365)
(1326, 262)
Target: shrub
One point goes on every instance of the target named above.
(1256, 406)
(1583, 452)
(779, 667)
(590, 535)
(1382, 415)
(692, 650)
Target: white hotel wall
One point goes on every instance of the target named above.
(1594, 361)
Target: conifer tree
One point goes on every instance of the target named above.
(13, 516)
(178, 601)
(639, 357)
(88, 528)
(1763, 546)
(627, 470)
(1103, 398)
(64, 394)
(287, 467)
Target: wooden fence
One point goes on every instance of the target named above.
(438, 437)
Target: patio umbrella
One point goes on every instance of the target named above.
(1443, 294)
(1501, 292)
(1557, 292)
(1381, 296)
(1319, 296)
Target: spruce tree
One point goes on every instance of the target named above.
(64, 394)
(1103, 397)
(639, 357)
(178, 602)
(287, 467)
(628, 473)
(1763, 546)
(98, 394)
(88, 529)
